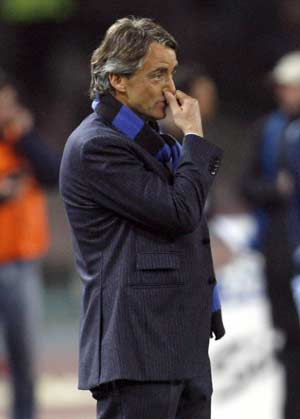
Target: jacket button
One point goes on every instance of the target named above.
(213, 167)
(211, 280)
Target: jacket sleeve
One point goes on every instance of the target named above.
(119, 181)
(43, 160)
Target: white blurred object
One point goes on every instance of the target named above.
(236, 231)
(243, 364)
(287, 70)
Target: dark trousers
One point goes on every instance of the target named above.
(181, 399)
(279, 271)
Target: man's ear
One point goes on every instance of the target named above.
(118, 82)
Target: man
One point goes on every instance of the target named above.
(272, 187)
(26, 166)
(135, 203)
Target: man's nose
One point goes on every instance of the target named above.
(170, 85)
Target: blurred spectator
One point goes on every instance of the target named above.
(26, 166)
(271, 185)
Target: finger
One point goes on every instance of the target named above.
(181, 96)
(172, 101)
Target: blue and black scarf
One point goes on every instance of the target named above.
(163, 147)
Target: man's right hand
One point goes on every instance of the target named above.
(18, 126)
(185, 112)
(14, 117)
(10, 187)
(285, 184)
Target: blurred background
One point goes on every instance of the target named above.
(45, 48)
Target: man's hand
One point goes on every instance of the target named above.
(10, 187)
(18, 126)
(285, 184)
(23, 119)
(15, 119)
(185, 112)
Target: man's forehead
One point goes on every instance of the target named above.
(160, 55)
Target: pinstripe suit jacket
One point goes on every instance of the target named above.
(142, 250)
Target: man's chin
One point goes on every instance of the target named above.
(155, 115)
(160, 115)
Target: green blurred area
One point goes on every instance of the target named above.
(27, 11)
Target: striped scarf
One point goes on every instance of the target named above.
(162, 146)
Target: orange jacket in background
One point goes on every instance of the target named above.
(23, 218)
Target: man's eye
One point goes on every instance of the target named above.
(157, 76)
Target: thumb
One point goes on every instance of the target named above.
(172, 101)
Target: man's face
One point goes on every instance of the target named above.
(288, 97)
(144, 90)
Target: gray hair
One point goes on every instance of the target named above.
(123, 49)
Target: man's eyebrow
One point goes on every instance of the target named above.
(159, 69)
(162, 69)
